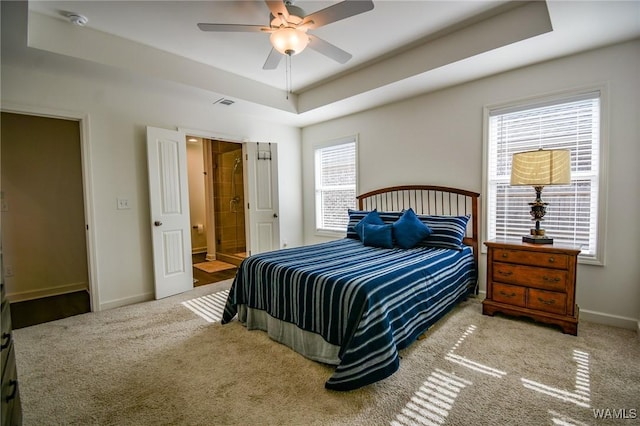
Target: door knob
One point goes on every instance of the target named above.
(157, 223)
(275, 215)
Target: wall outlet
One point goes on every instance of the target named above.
(8, 270)
(123, 204)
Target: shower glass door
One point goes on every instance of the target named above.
(229, 201)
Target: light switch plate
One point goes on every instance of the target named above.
(123, 204)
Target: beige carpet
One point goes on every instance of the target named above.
(161, 363)
(213, 266)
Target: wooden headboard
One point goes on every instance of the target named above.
(428, 200)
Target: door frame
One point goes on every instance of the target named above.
(85, 159)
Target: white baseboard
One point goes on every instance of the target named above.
(23, 296)
(608, 319)
(127, 301)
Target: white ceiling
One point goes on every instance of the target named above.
(400, 48)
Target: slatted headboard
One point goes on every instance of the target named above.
(428, 200)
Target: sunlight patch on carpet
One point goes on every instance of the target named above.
(209, 307)
(562, 420)
(431, 404)
(581, 395)
(465, 362)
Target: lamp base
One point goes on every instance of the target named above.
(537, 239)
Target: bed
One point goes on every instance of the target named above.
(355, 302)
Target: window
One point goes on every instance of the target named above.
(335, 170)
(572, 214)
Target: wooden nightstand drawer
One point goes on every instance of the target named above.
(546, 279)
(547, 301)
(510, 294)
(6, 333)
(547, 260)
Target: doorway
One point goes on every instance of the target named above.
(43, 212)
(216, 201)
(260, 188)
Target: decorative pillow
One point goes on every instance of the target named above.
(355, 216)
(409, 230)
(371, 218)
(377, 235)
(446, 231)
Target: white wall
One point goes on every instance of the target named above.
(197, 214)
(437, 139)
(119, 106)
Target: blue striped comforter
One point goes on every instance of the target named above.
(369, 301)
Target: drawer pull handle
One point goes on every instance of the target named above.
(546, 302)
(505, 273)
(552, 279)
(502, 292)
(5, 343)
(552, 259)
(14, 384)
(505, 255)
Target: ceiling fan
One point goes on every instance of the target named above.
(288, 27)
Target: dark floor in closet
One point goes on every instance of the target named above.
(37, 311)
(45, 309)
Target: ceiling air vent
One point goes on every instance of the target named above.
(224, 101)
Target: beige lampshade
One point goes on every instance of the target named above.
(541, 167)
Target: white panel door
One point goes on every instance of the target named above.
(170, 222)
(262, 209)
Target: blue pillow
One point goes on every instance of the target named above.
(377, 235)
(355, 216)
(371, 218)
(446, 231)
(409, 230)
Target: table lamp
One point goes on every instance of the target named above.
(539, 169)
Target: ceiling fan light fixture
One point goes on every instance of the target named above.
(289, 41)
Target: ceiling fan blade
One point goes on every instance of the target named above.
(277, 7)
(328, 49)
(338, 11)
(272, 60)
(233, 28)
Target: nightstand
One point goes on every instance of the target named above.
(11, 411)
(533, 280)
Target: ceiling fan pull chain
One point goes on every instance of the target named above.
(288, 74)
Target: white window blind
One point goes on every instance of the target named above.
(335, 169)
(572, 213)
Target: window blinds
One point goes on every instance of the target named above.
(572, 213)
(335, 185)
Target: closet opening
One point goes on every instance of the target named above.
(44, 245)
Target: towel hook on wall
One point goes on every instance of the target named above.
(264, 154)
